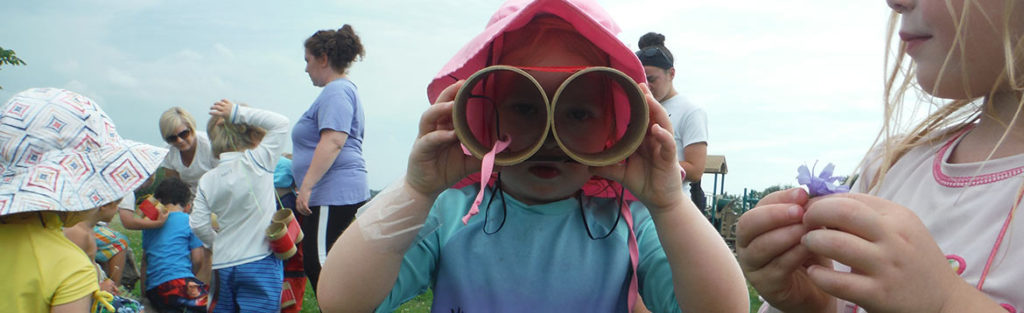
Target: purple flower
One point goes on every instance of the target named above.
(823, 184)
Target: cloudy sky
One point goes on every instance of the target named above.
(784, 82)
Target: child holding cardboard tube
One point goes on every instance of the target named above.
(174, 255)
(542, 242)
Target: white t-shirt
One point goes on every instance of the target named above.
(964, 215)
(202, 162)
(689, 126)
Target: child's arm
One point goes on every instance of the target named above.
(695, 252)
(82, 238)
(276, 125)
(199, 219)
(364, 263)
(197, 255)
(896, 265)
(78, 306)
(131, 221)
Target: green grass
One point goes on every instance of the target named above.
(309, 305)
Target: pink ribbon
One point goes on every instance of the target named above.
(486, 167)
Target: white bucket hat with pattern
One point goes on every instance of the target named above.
(60, 152)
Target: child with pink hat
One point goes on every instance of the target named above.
(60, 159)
(544, 99)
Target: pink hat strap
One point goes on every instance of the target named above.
(486, 167)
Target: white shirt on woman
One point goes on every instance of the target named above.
(203, 161)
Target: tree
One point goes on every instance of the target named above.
(8, 57)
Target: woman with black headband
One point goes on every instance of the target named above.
(689, 121)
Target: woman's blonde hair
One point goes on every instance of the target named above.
(228, 137)
(895, 137)
(174, 117)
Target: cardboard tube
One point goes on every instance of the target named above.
(636, 129)
(281, 243)
(465, 134)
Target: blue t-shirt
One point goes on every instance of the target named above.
(283, 173)
(337, 108)
(514, 257)
(169, 250)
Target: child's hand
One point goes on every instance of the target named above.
(652, 173)
(897, 266)
(436, 161)
(773, 260)
(162, 217)
(222, 109)
(109, 286)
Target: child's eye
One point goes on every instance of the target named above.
(579, 114)
(524, 108)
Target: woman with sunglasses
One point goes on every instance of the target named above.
(689, 121)
(190, 155)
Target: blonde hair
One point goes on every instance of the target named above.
(895, 137)
(228, 137)
(174, 117)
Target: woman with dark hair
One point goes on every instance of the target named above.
(327, 145)
(689, 121)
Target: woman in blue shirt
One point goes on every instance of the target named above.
(327, 145)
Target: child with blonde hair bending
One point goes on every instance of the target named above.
(929, 226)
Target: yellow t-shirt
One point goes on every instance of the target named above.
(39, 267)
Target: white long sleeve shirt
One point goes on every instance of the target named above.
(240, 190)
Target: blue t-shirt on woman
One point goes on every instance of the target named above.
(337, 108)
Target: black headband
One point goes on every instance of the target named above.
(654, 56)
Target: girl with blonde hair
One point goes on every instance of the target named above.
(929, 226)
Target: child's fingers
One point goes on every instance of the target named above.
(764, 218)
(667, 143)
(436, 112)
(792, 195)
(844, 248)
(657, 112)
(846, 214)
(448, 94)
(439, 139)
(770, 246)
(844, 285)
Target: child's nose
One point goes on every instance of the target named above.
(549, 142)
(901, 6)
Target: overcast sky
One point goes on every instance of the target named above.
(784, 82)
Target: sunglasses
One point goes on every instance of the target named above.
(183, 135)
(598, 115)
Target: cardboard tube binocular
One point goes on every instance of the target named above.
(598, 116)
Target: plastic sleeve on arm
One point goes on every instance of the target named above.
(394, 218)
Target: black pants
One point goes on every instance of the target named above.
(697, 194)
(320, 230)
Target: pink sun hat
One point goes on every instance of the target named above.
(589, 19)
(60, 152)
